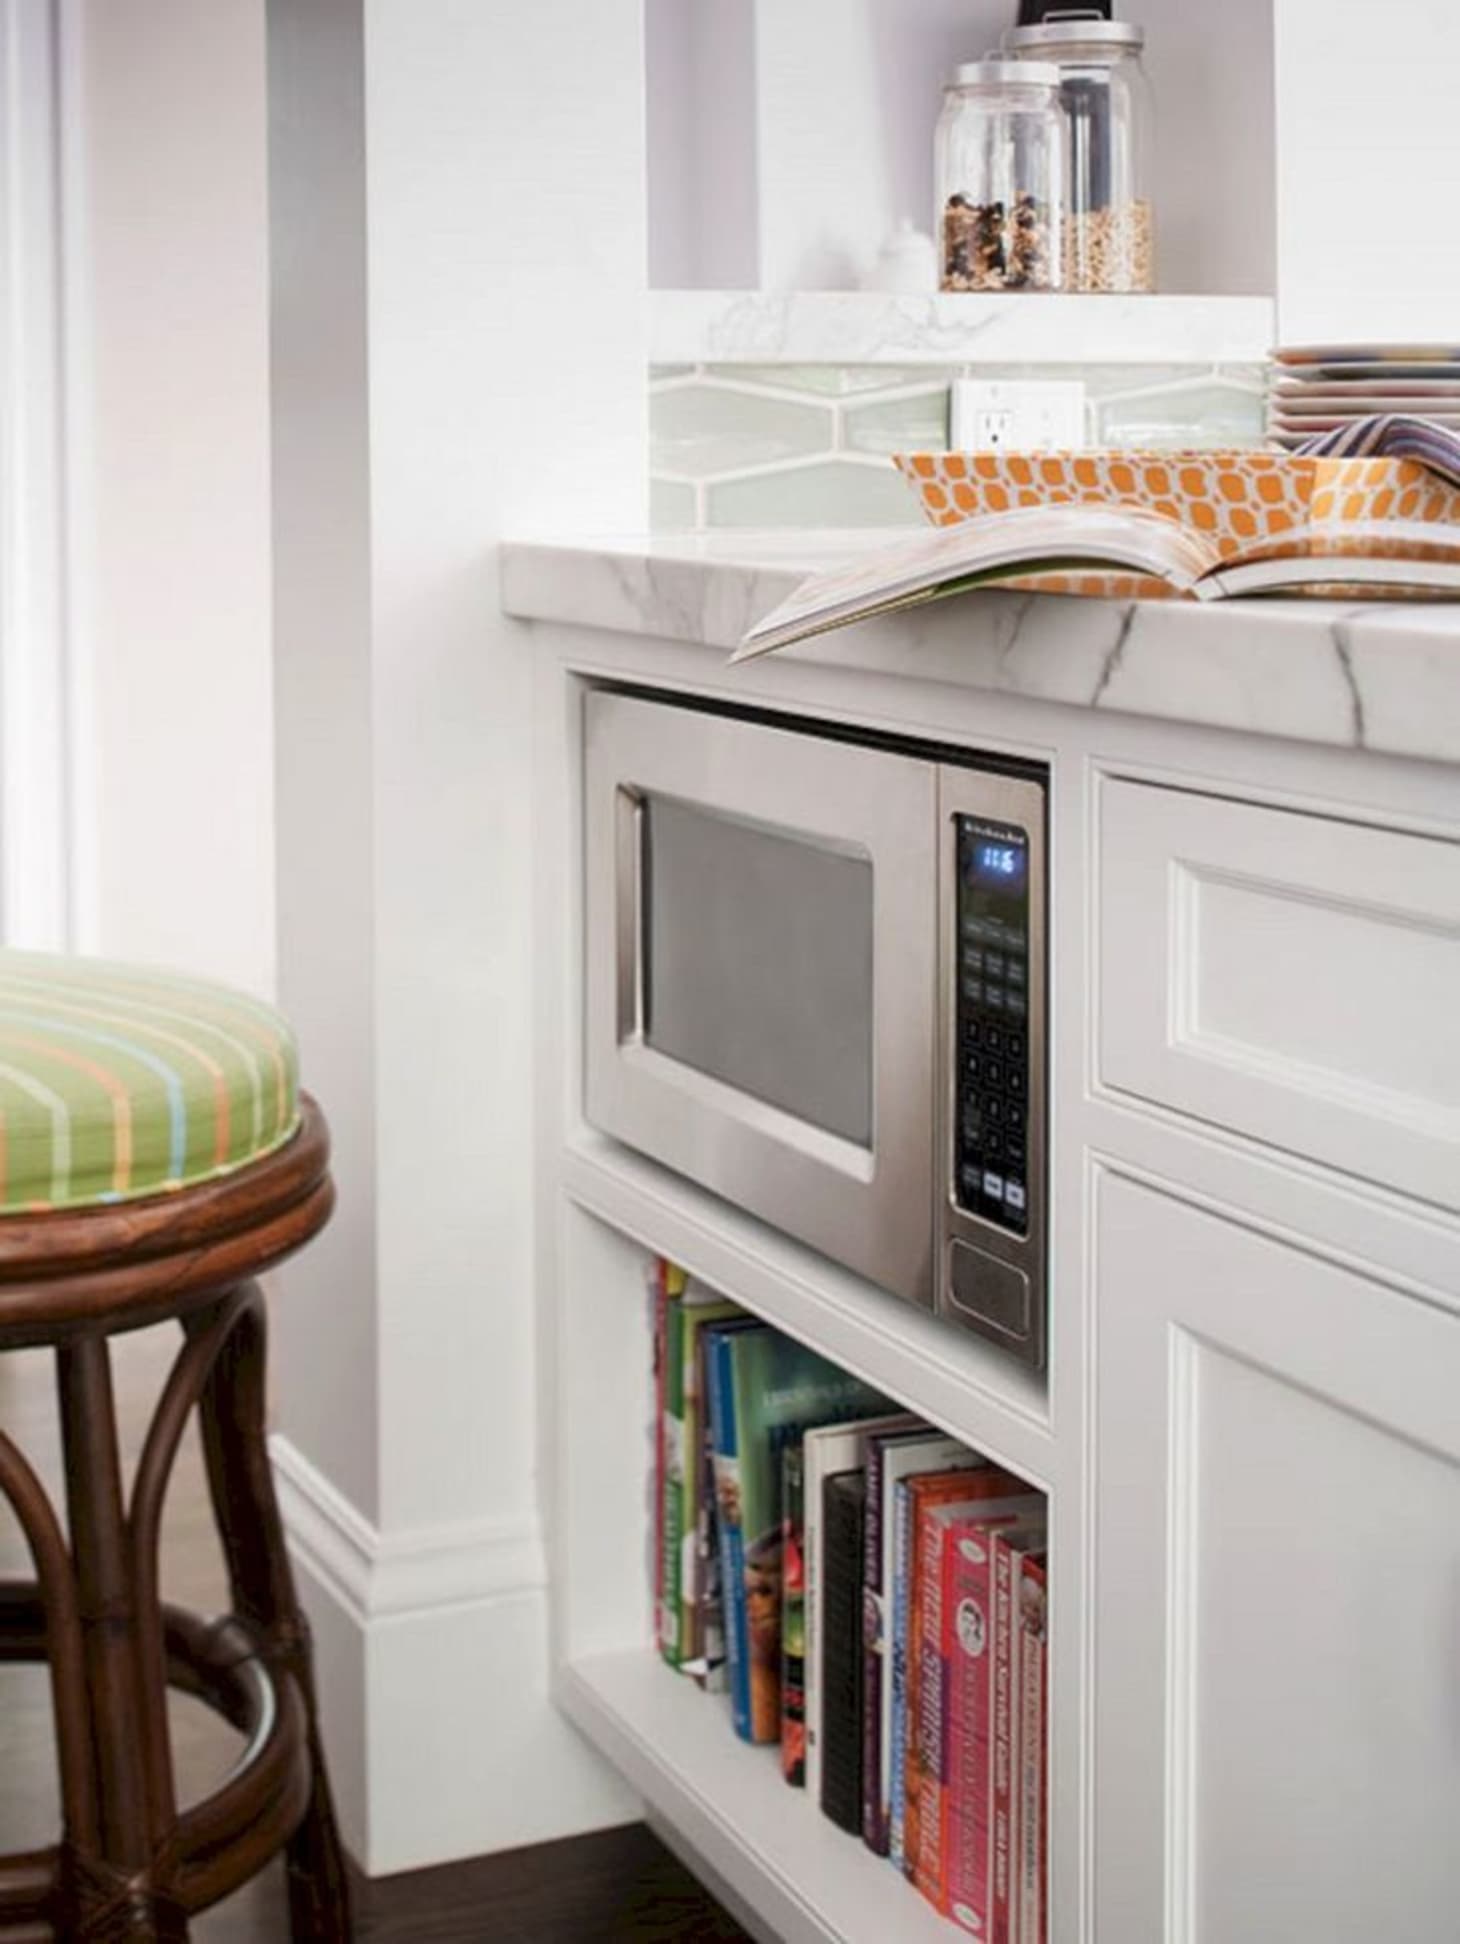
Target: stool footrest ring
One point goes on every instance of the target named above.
(228, 1666)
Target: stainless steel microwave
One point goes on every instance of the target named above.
(815, 984)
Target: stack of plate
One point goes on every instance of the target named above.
(1321, 387)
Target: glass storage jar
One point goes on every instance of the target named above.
(1000, 169)
(1109, 230)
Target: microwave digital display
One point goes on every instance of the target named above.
(1000, 863)
(991, 1137)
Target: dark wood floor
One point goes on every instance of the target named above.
(618, 1884)
(621, 1883)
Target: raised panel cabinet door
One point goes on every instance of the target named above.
(1277, 1590)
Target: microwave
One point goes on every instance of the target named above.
(815, 984)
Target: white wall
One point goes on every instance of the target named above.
(34, 812)
(166, 261)
(1368, 171)
(326, 1377)
(1211, 72)
(788, 137)
(704, 218)
(848, 92)
(459, 238)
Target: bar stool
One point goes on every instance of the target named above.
(156, 1156)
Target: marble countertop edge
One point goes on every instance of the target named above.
(1379, 677)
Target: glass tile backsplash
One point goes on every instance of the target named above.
(809, 445)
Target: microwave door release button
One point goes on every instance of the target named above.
(994, 1292)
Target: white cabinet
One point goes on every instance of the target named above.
(1249, 1429)
(1277, 1589)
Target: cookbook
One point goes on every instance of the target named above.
(1121, 552)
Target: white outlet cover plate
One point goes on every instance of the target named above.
(995, 414)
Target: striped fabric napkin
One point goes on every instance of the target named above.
(1391, 435)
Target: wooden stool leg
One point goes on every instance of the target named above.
(114, 1893)
(232, 1412)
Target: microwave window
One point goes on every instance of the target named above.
(757, 966)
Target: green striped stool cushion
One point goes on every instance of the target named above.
(117, 1082)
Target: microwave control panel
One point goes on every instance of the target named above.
(991, 1120)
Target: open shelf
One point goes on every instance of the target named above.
(806, 1880)
(841, 327)
(950, 1377)
(766, 1848)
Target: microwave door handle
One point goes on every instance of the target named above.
(629, 914)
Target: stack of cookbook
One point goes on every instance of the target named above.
(868, 1593)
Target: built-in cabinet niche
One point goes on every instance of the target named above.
(787, 138)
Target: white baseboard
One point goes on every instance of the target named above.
(432, 1659)
(374, 1573)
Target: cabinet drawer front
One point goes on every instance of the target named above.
(1291, 977)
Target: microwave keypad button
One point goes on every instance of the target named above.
(990, 1158)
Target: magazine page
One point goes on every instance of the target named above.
(1400, 577)
(976, 551)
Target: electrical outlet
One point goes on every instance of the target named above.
(998, 414)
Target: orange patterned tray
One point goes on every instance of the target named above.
(1248, 503)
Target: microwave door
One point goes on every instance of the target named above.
(761, 972)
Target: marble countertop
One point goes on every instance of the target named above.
(1380, 678)
(878, 327)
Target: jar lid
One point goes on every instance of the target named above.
(997, 71)
(1071, 31)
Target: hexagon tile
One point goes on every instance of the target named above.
(810, 445)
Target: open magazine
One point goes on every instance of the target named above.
(1126, 551)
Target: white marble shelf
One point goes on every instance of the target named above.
(1373, 677)
(869, 327)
